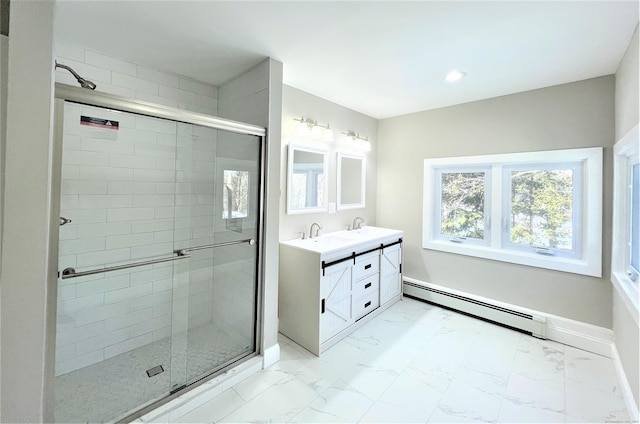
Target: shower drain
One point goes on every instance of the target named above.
(151, 372)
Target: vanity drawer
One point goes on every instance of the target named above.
(366, 265)
(366, 286)
(362, 306)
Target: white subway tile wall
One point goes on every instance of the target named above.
(120, 195)
(119, 77)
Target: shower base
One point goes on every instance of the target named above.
(111, 389)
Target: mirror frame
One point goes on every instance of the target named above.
(325, 167)
(363, 186)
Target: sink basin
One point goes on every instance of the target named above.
(366, 233)
(321, 244)
(341, 239)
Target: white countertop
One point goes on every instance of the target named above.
(338, 240)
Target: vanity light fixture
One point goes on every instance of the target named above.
(361, 142)
(308, 126)
(455, 75)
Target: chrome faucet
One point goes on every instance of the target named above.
(357, 223)
(315, 224)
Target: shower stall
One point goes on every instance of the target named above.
(159, 270)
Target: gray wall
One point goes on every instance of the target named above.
(625, 327)
(297, 103)
(567, 116)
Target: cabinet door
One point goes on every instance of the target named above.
(335, 298)
(390, 273)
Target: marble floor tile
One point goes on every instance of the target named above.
(493, 354)
(214, 410)
(419, 363)
(279, 403)
(339, 403)
(407, 400)
(589, 404)
(370, 380)
(257, 383)
(511, 412)
(590, 369)
(528, 392)
(541, 360)
(464, 403)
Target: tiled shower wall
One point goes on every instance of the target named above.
(120, 194)
(126, 79)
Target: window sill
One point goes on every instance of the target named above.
(522, 258)
(629, 293)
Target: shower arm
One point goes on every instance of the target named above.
(83, 82)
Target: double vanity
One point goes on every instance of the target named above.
(334, 283)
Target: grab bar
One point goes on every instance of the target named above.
(70, 272)
(211, 246)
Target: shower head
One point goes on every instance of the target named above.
(83, 82)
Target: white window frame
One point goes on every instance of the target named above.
(589, 253)
(437, 221)
(626, 153)
(576, 167)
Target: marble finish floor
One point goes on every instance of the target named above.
(416, 362)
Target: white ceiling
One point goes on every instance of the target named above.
(379, 58)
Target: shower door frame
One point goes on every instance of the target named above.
(64, 92)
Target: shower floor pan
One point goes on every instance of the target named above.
(113, 388)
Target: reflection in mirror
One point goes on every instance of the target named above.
(306, 180)
(351, 181)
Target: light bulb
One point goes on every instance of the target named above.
(302, 128)
(315, 130)
(328, 133)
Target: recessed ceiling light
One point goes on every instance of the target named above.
(455, 75)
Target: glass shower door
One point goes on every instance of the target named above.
(157, 284)
(217, 211)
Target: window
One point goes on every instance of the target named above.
(540, 209)
(462, 205)
(235, 201)
(625, 255)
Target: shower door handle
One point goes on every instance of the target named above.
(211, 246)
(70, 272)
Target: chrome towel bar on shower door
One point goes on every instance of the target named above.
(211, 246)
(71, 272)
(180, 254)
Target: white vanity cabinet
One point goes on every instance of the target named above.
(331, 286)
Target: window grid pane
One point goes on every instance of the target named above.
(635, 217)
(542, 208)
(462, 205)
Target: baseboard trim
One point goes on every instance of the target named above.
(558, 329)
(625, 387)
(271, 355)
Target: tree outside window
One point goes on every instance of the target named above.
(462, 204)
(542, 208)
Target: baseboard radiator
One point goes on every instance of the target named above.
(531, 324)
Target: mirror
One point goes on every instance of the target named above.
(351, 181)
(307, 180)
